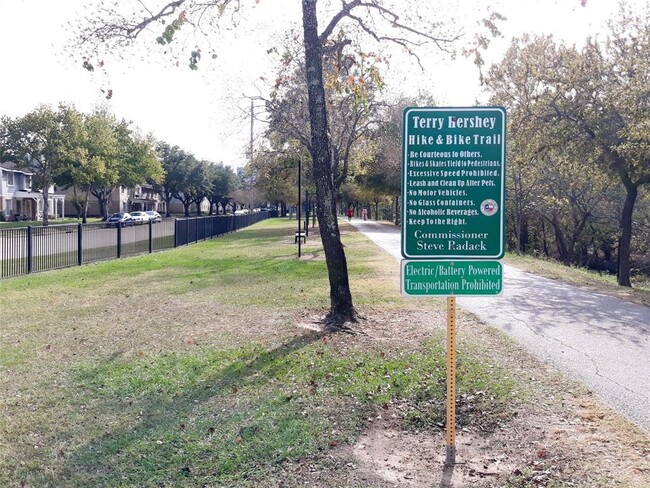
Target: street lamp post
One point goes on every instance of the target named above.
(306, 213)
(299, 216)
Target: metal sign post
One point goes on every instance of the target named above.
(453, 214)
(451, 381)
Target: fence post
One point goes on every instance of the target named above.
(196, 230)
(30, 249)
(79, 244)
(119, 240)
(150, 236)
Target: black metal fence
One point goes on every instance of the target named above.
(31, 249)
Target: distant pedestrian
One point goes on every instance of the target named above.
(350, 212)
(364, 214)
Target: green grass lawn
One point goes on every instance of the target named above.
(186, 367)
(202, 366)
(602, 282)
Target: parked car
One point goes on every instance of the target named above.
(139, 218)
(242, 211)
(116, 219)
(154, 216)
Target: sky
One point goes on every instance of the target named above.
(206, 111)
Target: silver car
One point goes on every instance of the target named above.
(154, 216)
(139, 218)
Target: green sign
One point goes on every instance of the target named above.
(453, 183)
(451, 278)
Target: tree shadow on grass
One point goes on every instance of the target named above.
(144, 451)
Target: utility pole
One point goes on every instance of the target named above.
(251, 148)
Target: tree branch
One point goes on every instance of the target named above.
(389, 16)
(165, 11)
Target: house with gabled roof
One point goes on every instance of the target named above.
(17, 199)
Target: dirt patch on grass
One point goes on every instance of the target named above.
(560, 435)
(540, 447)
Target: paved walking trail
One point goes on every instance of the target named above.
(600, 340)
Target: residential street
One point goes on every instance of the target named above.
(602, 341)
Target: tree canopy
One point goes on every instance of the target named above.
(42, 141)
(587, 107)
(411, 26)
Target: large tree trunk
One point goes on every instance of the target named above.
(624, 272)
(518, 232)
(341, 307)
(84, 215)
(560, 240)
(76, 203)
(168, 198)
(46, 205)
(397, 219)
(545, 240)
(523, 236)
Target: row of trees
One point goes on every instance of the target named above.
(191, 181)
(579, 144)
(324, 111)
(93, 154)
(326, 78)
(578, 132)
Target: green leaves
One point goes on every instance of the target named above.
(579, 139)
(168, 34)
(195, 56)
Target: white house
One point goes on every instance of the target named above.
(176, 206)
(122, 199)
(17, 199)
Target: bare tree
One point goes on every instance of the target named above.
(352, 21)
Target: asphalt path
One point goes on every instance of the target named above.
(602, 341)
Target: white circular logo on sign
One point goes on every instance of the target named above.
(489, 207)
